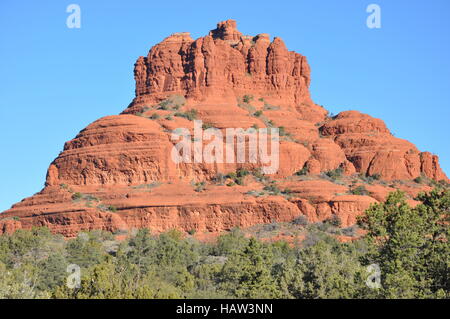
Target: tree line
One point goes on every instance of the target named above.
(407, 247)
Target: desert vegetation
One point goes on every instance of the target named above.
(409, 246)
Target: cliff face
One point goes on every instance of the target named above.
(118, 174)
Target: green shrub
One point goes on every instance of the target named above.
(112, 208)
(242, 172)
(238, 176)
(77, 196)
(259, 175)
(189, 115)
(89, 198)
(164, 105)
(173, 102)
(258, 113)
(335, 174)
(334, 221)
(272, 189)
(268, 107)
(206, 126)
(154, 116)
(199, 186)
(300, 221)
(351, 231)
(271, 227)
(282, 131)
(360, 190)
(247, 98)
(409, 245)
(219, 178)
(303, 171)
(370, 178)
(255, 193)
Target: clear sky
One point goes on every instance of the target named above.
(55, 80)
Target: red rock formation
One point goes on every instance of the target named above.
(117, 173)
(223, 66)
(369, 145)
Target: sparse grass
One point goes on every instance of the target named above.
(219, 178)
(418, 180)
(360, 190)
(300, 221)
(270, 107)
(259, 175)
(173, 102)
(255, 193)
(350, 231)
(77, 196)
(438, 184)
(303, 171)
(200, 186)
(334, 221)
(66, 187)
(334, 174)
(164, 105)
(189, 115)
(147, 186)
(273, 189)
(154, 116)
(88, 199)
(369, 179)
(105, 208)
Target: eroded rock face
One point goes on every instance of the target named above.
(224, 65)
(372, 149)
(118, 174)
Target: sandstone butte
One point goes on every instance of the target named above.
(117, 173)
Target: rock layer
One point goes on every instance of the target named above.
(118, 174)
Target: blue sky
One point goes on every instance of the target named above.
(55, 80)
